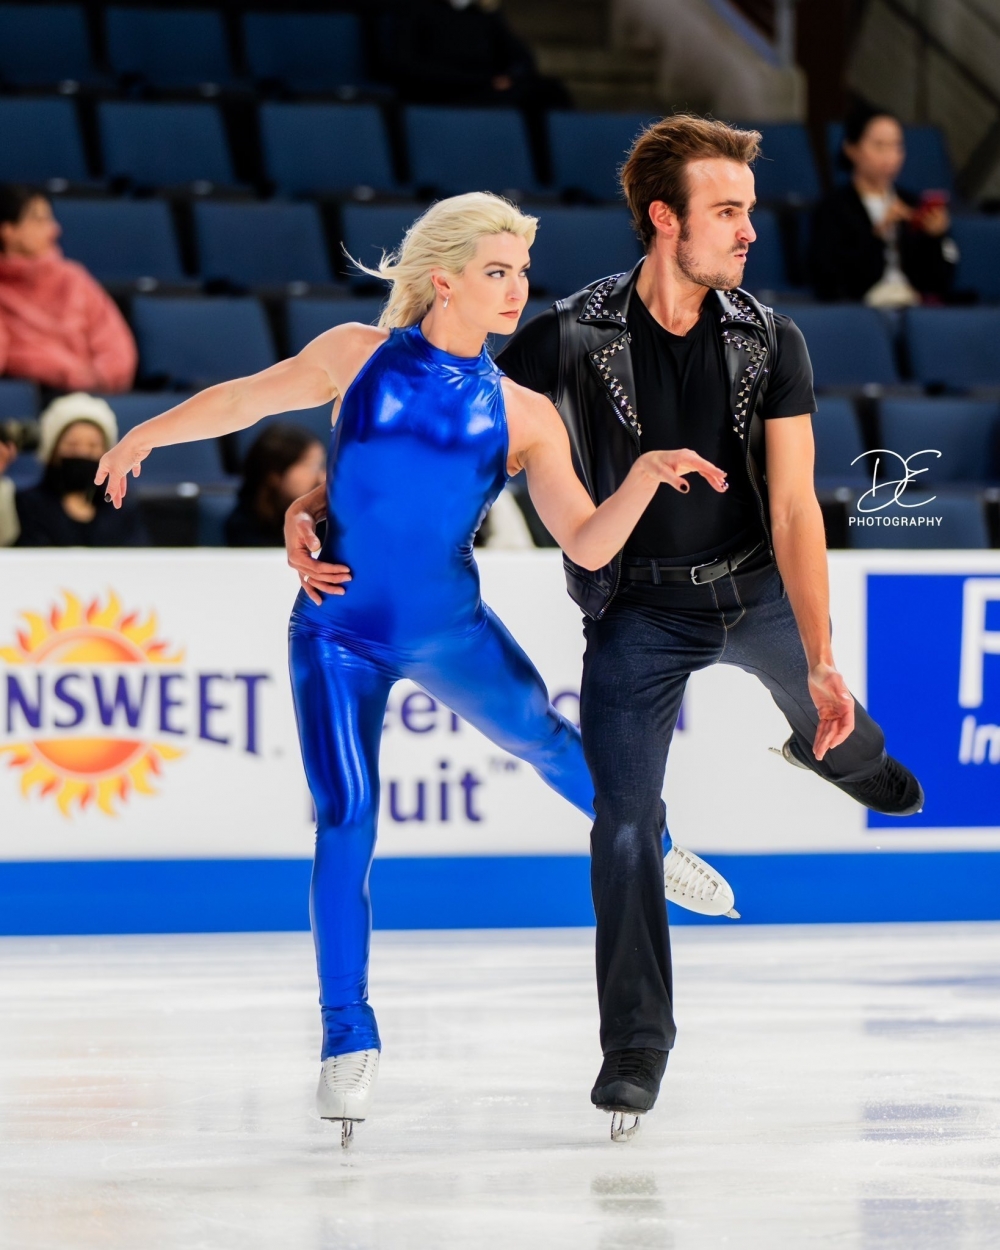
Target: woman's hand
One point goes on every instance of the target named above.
(302, 542)
(124, 458)
(670, 466)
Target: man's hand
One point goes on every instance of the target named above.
(835, 705)
(8, 454)
(301, 544)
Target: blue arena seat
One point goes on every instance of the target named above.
(318, 422)
(588, 148)
(18, 398)
(194, 341)
(121, 240)
(370, 229)
(261, 244)
(978, 240)
(575, 246)
(927, 166)
(954, 347)
(963, 523)
(25, 470)
(849, 344)
(838, 445)
(470, 149)
(765, 268)
(786, 169)
(198, 462)
(134, 407)
(41, 140)
(164, 145)
(213, 509)
(45, 44)
(309, 52)
(168, 47)
(308, 318)
(310, 148)
(964, 431)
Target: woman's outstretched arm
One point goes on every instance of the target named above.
(591, 536)
(319, 373)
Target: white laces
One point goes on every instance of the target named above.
(350, 1073)
(689, 876)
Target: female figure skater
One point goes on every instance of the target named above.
(426, 433)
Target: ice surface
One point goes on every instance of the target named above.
(833, 1087)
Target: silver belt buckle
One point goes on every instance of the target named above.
(696, 567)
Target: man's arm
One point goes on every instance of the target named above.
(800, 550)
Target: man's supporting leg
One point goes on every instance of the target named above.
(340, 701)
(634, 676)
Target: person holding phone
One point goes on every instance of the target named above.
(875, 241)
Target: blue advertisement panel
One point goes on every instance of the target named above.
(934, 686)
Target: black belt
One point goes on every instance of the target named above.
(656, 572)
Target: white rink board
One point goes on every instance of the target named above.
(227, 613)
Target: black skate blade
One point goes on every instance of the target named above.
(621, 1129)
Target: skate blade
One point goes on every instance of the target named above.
(621, 1130)
(733, 914)
(346, 1127)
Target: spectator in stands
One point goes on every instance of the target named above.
(284, 462)
(58, 326)
(463, 52)
(873, 240)
(66, 509)
(9, 526)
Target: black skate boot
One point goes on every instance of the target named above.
(893, 790)
(627, 1085)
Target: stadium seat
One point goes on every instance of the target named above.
(168, 47)
(310, 148)
(189, 342)
(472, 149)
(163, 145)
(838, 445)
(370, 229)
(317, 421)
(121, 240)
(978, 240)
(308, 52)
(927, 166)
(963, 524)
(588, 148)
(213, 509)
(41, 141)
(964, 431)
(43, 45)
(197, 462)
(308, 318)
(575, 246)
(766, 269)
(785, 171)
(849, 344)
(25, 470)
(954, 347)
(134, 407)
(261, 244)
(18, 398)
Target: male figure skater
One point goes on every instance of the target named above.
(674, 354)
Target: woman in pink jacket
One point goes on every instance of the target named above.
(58, 326)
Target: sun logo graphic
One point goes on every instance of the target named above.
(94, 704)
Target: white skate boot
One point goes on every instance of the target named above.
(346, 1087)
(689, 882)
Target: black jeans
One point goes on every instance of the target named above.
(637, 662)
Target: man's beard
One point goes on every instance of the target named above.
(718, 280)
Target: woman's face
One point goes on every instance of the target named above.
(34, 234)
(308, 472)
(80, 441)
(490, 293)
(879, 154)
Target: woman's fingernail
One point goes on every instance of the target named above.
(107, 498)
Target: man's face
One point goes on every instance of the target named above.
(713, 240)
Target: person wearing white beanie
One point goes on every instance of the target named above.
(65, 509)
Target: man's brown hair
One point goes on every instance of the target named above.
(656, 168)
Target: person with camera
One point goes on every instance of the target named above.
(872, 240)
(65, 509)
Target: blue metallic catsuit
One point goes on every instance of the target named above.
(417, 458)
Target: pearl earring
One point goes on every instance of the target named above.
(446, 299)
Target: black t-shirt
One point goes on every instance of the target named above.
(44, 523)
(682, 400)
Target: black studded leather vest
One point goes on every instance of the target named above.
(596, 399)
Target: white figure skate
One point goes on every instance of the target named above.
(689, 882)
(346, 1088)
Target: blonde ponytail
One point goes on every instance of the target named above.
(445, 236)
